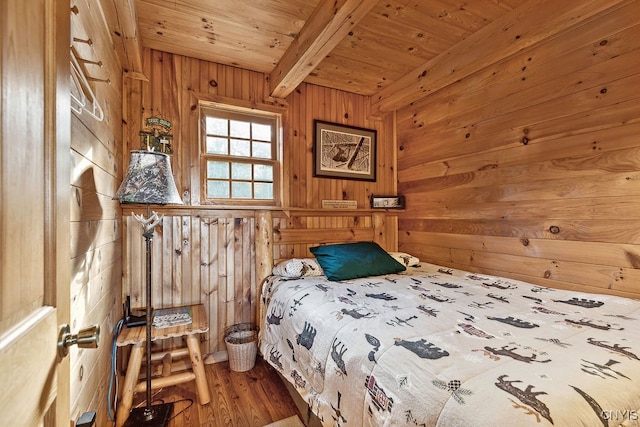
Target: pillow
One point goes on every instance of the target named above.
(297, 267)
(405, 259)
(352, 260)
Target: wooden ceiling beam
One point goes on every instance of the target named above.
(122, 20)
(329, 23)
(529, 24)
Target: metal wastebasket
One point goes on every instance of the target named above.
(242, 346)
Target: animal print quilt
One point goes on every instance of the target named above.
(435, 346)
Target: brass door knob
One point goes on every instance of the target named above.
(88, 337)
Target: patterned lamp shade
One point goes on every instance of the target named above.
(148, 180)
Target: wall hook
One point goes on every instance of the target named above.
(87, 41)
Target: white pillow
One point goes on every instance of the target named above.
(298, 267)
(405, 259)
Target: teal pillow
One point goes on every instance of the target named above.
(352, 260)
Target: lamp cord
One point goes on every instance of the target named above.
(113, 377)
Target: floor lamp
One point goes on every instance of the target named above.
(149, 181)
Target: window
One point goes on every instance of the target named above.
(239, 157)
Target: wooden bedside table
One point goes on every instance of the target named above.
(137, 336)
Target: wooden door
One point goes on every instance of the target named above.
(34, 211)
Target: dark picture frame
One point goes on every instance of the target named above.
(387, 202)
(346, 152)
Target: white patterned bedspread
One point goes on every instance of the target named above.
(435, 346)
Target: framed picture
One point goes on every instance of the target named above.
(387, 202)
(344, 151)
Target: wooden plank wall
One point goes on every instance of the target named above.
(198, 257)
(530, 167)
(95, 219)
(209, 256)
(295, 232)
(206, 253)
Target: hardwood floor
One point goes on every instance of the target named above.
(240, 399)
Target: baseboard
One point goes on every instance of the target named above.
(217, 357)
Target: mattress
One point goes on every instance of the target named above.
(435, 346)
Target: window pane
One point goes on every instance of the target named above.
(241, 190)
(240, 148)
(239, 154)
(217, 145)
(240, 129)
(241, 171)
(262, 132)
(218, 189)
(216, 126)
(217, 169)
(262, 150)
(263, 190)
(263, 173)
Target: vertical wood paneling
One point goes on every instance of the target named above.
(221, 273)
(211, 282)
(227, 283)
(529, 168)
(219, 306)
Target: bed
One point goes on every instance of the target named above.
(433, 346)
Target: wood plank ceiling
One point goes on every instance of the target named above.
(379, 48)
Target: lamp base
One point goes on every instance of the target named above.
(161, 416)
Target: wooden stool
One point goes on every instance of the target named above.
(137, 336)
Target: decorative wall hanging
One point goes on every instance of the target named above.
(158, 138)
(387, 202)
(344, 151)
